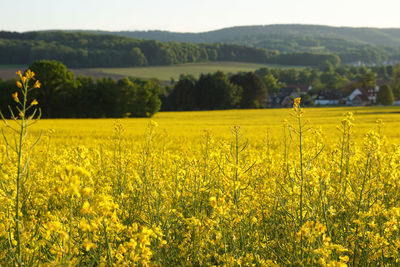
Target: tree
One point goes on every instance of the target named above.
(55, 79)
(289, 76)
(272, 84)
(105, 98)
(395, 81)
(381, 71)
(304, 77)
(87, 106)
(145, 101)
(385, 96)
(6, 89)
(254, 93)
(125, 98)
(368, 80)
(182, 95)
(333, 80)
(137, 57)
(215, 91)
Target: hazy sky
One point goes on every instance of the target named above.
(192, 16)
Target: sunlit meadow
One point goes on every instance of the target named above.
(273, 187)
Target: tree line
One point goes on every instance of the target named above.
(253, 89)
(217, 91)
(84, 50)
(343, 78)
(62, 95)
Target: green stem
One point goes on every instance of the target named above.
(21, 137)
(301, 184)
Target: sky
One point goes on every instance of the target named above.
(192, 16)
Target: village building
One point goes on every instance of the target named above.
(365, 96)
(285, 96)
(358, 98)
(329, 97)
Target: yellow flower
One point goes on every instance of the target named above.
(29, 74)
(15, 96)
(297, 111)
(85, 225)
(34, 102)
(213, 202)
(87, 244)
(19, 73)
(19, 84)
(37, 84)
(86, 191)
(54, 226)
(85, 207)
(153, 123)
(344, 258)
(296, 102)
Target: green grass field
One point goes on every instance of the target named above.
(165, 73)
(13, 66)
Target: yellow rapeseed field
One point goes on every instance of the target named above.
(280, 187)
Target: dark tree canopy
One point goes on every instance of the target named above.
(395, 81)
(55, 80)
(254, 93)
(368, 80)
(385, 96)
(215, 91)
(210, 91)
(182, 95)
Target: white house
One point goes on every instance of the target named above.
(353, 94)
(360, 98)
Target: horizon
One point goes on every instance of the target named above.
(211, 30)
(189, 17)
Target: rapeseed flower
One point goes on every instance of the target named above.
(15, 97)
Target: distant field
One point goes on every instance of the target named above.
(8, 71)
(165, 73)
(11, 66)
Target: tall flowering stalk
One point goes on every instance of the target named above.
(297, 112)
(20, 129)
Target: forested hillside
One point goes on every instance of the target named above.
(369, 45)
(82, 50)
(372, 36)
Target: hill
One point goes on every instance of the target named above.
(94, 50)
(371, 36)
(370, 45)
